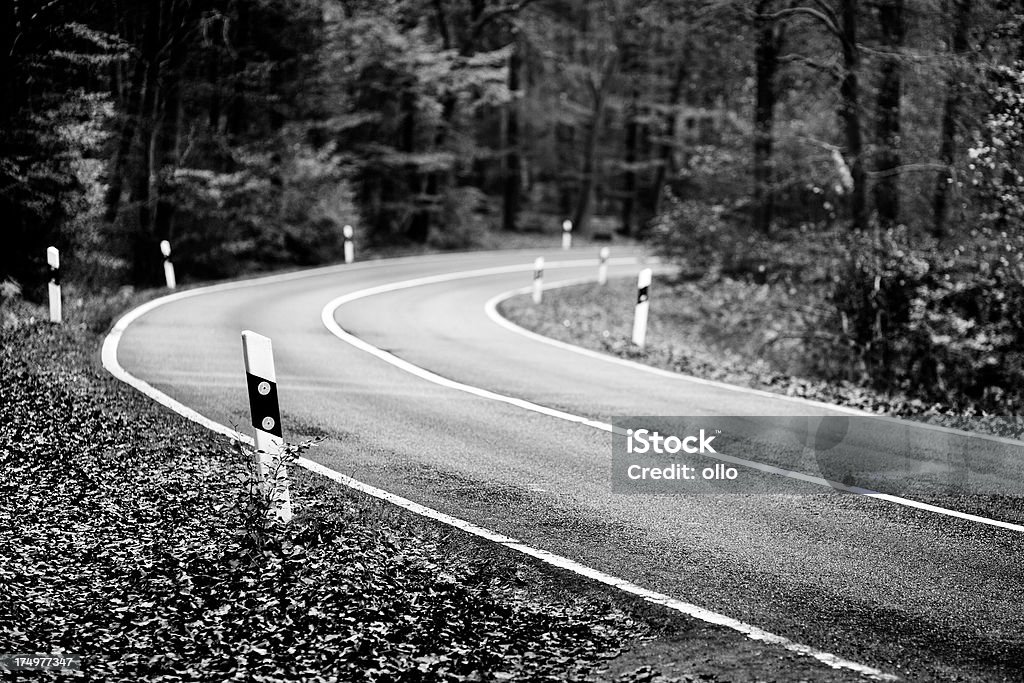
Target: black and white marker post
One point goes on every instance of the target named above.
(566, 234)
(350, 252)
(602, 265)
(53, 260)
(538, 279)
(643, 295)
(165, 249)
(266, 419)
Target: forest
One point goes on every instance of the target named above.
(868, 150)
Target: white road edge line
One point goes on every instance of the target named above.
(111, 364)
(752, 632)
(328, 312)
(491, 308)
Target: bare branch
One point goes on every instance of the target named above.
(442, 24)
(827, 10)
(487, 18)
(910, 168)
(815, 14)
(828, 69)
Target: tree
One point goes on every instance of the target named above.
(769, 39)
(841, 24)
(959, 47)
(887, 113)
(849, 111)
(51, 128)
(597, 67)
(513, 170)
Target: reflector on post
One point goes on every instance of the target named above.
(56, 307)
(538, 279)
(165, 249)
(261, 380)
(349, 249)
(643, 288)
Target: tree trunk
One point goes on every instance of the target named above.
(135, 111)
(629, 200)
(766, 56)
(170, 119)
(950, 114)
(238, 119)
(441, 17)
(887, 114)
(668, 144)
(849, 113)
(513, 182)
(144, 263)
(418, 228)
(581, 215)
(10, 95)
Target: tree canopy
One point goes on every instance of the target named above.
(250, 131)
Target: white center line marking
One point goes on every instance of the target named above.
(111, 363)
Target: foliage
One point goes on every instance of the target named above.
(997, 156)
(947, 329)
(873, 292)
(51, 130)
(405, 103)
(465, 221)
(726, 330)
(276, 122)
(881, 311)
(711, 241)
(695, 235)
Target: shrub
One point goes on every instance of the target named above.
(694, 235)
(875, 283)
(948, 329)
(464, 221)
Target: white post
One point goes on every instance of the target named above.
(266, 417)
(538, 279)
(165, 249)
(53, 259)
(350, 254)
(566, 234)
(643, 286)
(602, 266)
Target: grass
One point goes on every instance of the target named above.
(741, 333)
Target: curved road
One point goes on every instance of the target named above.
(922, 595)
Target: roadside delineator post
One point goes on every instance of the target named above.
(643, 295)
(602, 265)
(566, 234)
(350, 253)
(53, 260)
(538, 279)
(165, 249)
(266, 420)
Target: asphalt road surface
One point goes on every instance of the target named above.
(923, 595)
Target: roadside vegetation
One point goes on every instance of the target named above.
(869, 321)
(249, 133)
